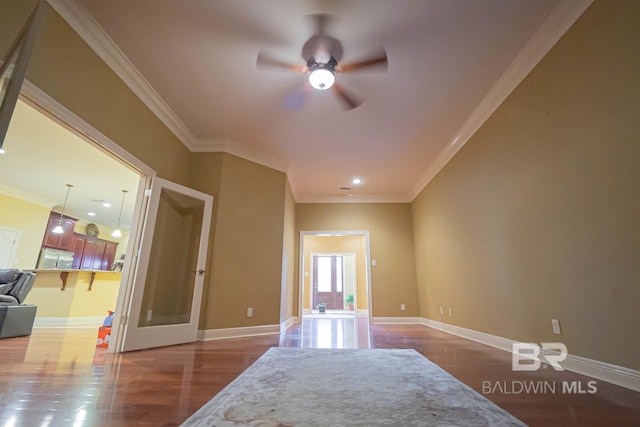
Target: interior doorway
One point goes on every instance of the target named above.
(334, 274)
(46, 148)
(333, 283)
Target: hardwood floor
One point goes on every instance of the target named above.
(58, 377)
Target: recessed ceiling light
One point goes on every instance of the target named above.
(91, 213)
(356, 181)
(106, 204)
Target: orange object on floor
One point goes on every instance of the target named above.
(104, 334)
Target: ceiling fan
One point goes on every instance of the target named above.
(322, 54)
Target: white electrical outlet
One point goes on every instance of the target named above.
(555, 323)
(403, 307)
(149, 313)
(450, 312)
(441, 310)
(373, 262)
(250, 312)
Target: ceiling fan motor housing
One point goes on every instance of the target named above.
(313, 65)
(321, 75)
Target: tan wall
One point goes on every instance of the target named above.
(288, 306)
(537, 216)
(353, 244)
(206, 176)
(393, 279)
(246, 258)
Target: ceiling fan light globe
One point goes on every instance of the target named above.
(57, 230)
(116, 233)
(321, 79)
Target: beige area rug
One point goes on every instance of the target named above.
(316, 387)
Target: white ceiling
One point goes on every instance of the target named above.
(194, 63)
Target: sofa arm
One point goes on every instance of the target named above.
(8, 300)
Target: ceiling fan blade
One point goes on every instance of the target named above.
(349, 100)
(379, 59)
(265, 60)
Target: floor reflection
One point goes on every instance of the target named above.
(334, 331)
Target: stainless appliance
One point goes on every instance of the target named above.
(55, 258)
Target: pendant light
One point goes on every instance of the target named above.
(117, 233)
(58, 228)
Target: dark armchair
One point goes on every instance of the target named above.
(16, 318)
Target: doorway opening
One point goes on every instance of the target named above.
(333, 284)
(46, 148)
(334, 274)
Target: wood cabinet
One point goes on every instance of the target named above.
(59, 241)
(77, 247)
(109, 255)
(91, 253)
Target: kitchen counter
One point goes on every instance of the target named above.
(73, 298)
(64, 274)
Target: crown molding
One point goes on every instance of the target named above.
(90, 31)
(353, 198)
(559, 21)
(213, 145)
(210, 145)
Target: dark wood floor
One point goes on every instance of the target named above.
(59, 378)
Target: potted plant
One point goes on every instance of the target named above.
(349, 302)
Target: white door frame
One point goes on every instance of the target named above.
(367, 260)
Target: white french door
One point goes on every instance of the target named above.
(165, 302)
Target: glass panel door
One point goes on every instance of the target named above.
(165, 303)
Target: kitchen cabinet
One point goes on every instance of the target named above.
(109, 255)
(97, 254)
(92, 255)
(89, 253)
(77, 247)
(59, 241)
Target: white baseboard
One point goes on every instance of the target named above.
(306, 311)
(363, 312)
(481, 337)
(248, 331)
(88, 322)
(614, 374)
(398, 320)
(289, 322)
